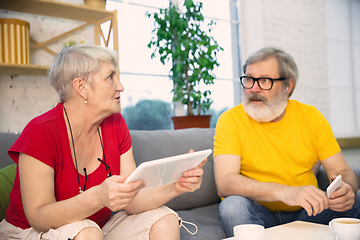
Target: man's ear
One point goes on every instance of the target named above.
(81, 87)
(291, 86)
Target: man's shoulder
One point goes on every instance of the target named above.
(237, 110)
(296, 103)
(302, 107)
(306, 112)
(233, 118)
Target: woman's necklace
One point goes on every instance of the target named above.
(77, 171)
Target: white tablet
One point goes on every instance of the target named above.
(166, 170)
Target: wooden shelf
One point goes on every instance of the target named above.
(353, 142)
(57, 9)
(23, 69)
(52, 8)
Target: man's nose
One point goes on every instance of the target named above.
(256, 87)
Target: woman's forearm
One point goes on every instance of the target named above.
(152, 198)
(58, 213)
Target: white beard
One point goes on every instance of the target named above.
(267, 111)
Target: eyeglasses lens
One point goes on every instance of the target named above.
(264, 83)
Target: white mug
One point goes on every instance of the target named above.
(249, 232)
(345, 228)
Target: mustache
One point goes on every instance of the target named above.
(256, 97)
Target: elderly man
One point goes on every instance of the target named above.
(266, 147)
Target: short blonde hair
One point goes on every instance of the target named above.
(78, 61)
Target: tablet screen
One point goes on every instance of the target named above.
(167, 170)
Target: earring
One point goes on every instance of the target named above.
(85, 101)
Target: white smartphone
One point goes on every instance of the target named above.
(335, 185)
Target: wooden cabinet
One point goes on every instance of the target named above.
(57, 9)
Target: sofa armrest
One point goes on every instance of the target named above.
(324, 182)
(7, 176)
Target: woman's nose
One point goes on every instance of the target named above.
(119, 87)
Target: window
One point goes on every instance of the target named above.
(343, 49)
(147, 79)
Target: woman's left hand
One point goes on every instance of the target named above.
(191, 179)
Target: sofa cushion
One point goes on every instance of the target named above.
(6, 141)
(152, 145)
(7, 176)
(206, 219)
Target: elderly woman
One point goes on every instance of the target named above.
(73, 161)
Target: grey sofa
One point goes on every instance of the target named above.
(199, 207)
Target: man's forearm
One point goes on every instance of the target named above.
(350, 178)
(237, 184)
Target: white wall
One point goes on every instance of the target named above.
(251, 27)
(24, 97)
(324, 38)
(343, 46)
(298, 27)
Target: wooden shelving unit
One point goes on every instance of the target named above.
(353, 142)
(23, 69)
(57, 9)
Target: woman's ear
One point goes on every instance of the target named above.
(81, 87)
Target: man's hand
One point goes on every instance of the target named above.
(343, 199)
(312, 199)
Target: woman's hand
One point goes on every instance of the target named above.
(191, 179)
(116, 195)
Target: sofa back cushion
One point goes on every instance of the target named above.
(152, 145)
(6, 141)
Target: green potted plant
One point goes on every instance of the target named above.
(179, 38)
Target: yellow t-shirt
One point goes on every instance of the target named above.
(281, 152)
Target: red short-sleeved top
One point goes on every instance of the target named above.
(45, 138)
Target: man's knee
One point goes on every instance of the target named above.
(357, 196)
(356, 207)
(235, 210)
(232, 205)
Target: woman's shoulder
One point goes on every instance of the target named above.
(115, 128)
(47, 129)
(114, 119)
(50, 115)
(40, 136)
(48, 120)
(115, 123)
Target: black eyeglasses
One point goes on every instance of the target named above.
(263, 83)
